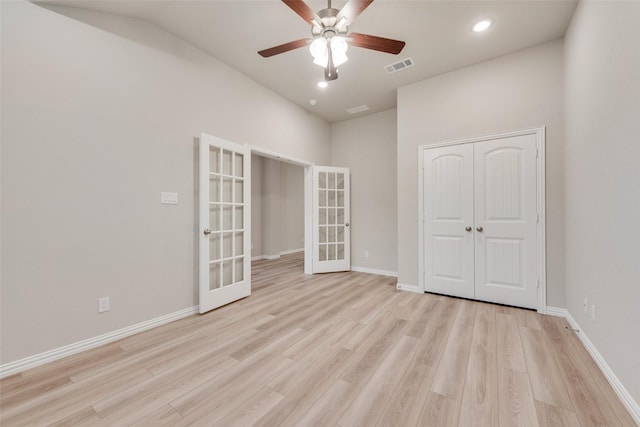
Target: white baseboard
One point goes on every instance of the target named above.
(374, 271)
(292, 251)
(67, 350)
(289, 252)
(631, 405)
(556, 311)
(409, 288)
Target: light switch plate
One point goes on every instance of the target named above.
(168, 198)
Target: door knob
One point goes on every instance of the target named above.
(468, 229)
(480, 229)
(206, 231)
(346, 224)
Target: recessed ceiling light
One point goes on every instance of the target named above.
(323, 84)
(482, 25)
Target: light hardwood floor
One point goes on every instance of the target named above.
(344, 349)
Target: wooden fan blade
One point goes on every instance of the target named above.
(303, 11)
(284, 48)
(351, 10)
(376, 43)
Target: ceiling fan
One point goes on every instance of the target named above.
(329, 28)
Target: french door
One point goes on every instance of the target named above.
(331, 236)
(225, 242)
(480, 209)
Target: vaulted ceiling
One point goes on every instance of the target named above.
(438, 39)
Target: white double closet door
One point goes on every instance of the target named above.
(481, 216)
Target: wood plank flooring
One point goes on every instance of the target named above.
(343, 349)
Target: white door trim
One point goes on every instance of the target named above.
(308, 201)
(539, 133)
(308, 219)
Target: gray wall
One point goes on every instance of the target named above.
(291, 207)
(516, 91)
(277, 207)
(270, 208)
(367, 146)
(256, 206)
(602, 184)
(94, 126)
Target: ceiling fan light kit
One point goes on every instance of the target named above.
(339, 48)
(319, 49)
(331, 40)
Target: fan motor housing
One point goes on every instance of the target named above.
(329, 24)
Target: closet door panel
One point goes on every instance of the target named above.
(448, 207)
(505, 221)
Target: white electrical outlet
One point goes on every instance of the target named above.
(366, 254)
(593, 313)
(103, 304)
(585, 306)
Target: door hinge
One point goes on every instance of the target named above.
(537, 153)
(538, 286)
(537, 217)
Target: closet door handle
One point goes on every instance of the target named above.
(480, 229)
(468, 229)
(207, 232)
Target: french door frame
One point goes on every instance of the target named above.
(539, 133)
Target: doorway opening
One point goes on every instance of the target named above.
(277, 210)
(281, 209)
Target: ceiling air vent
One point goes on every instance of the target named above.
(358, 109)
(400, 65)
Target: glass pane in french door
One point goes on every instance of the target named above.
(331, 202)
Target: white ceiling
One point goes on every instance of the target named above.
(437, 34)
